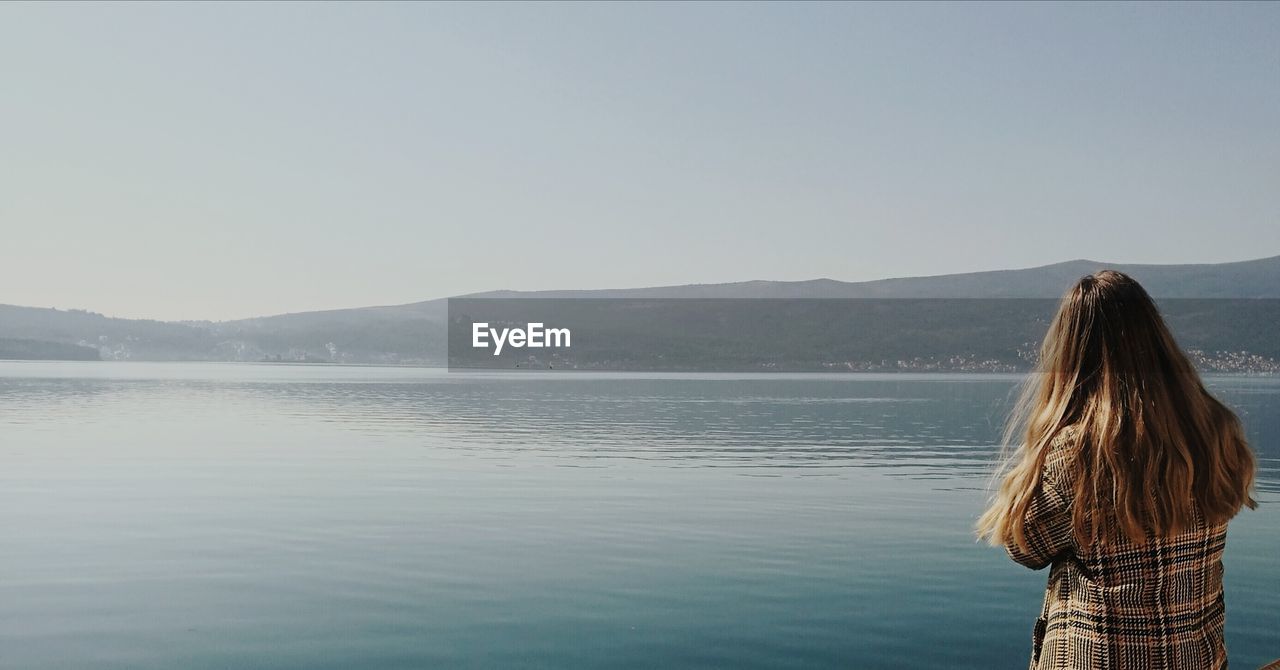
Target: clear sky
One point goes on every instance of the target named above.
(228, 160)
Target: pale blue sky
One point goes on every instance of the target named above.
(228, 160)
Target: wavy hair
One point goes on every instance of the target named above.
(1151, 451)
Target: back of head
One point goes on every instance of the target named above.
(1152, 448)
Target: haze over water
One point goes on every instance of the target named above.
(219, 515)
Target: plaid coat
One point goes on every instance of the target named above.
(1125, 605)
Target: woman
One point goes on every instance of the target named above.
(1126, 475)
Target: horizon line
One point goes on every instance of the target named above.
(647, 288)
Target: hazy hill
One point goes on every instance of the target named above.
(1244, 279)
(40, 350)
(414, 333)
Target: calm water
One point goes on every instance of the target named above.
(245, 516)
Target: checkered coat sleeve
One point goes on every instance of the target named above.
(1125, 605)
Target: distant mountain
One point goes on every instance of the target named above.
(39, 350)
(415, 333)
(389, 335)
(1244, 279)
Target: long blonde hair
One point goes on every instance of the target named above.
(1150, 449)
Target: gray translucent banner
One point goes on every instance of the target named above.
(817, 335)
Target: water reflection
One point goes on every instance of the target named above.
(926, 427)
(223, 516)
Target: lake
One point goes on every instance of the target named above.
(209, 515)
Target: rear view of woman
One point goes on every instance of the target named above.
(1126, 474)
